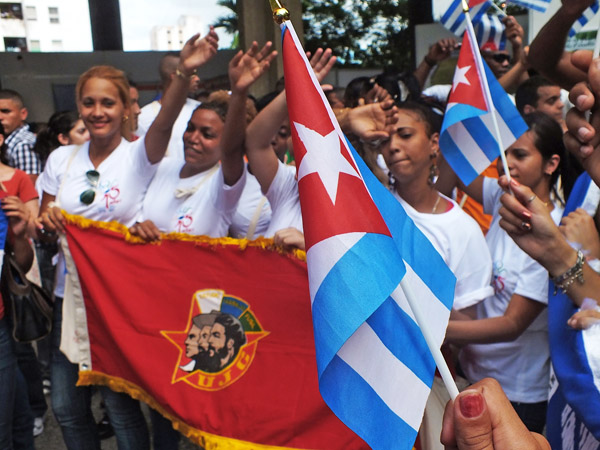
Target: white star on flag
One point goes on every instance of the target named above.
(323, 157)
(460, 76)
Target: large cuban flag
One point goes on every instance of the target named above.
(455, 20)
(375, 370)
(468, 139)
(574, 405)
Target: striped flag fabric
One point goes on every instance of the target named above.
(490, 30)
(585, 18)
(454, 18)
(573, 413)
(468, 139)
(537, 5)
(375, 370)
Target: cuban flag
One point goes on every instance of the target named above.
(454, 18)
(468, 139)
(574, 406)
(585, 18)
(490, 30)
(375, 370)
(537, 5)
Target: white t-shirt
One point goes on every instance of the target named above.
(522, 367)
(124, 179)
(248, 207)
(207, 211)
(460, 243)
(284, 200)
(149, 113)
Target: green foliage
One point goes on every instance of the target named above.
(230, 21)
(368, 33)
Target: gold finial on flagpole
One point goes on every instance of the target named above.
(465, 5)
(280, 14)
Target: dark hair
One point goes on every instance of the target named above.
(167, 66)
(3, 157)
(527, 92)
(218, 106)
(61, 122)
(549, 142)
(431, 118)
(9, 94)
(357, 89)
(233, 330)
(402, 87)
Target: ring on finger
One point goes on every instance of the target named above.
(532, 198)
(525, 226)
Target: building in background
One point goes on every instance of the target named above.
(45, 26)
(172, 37)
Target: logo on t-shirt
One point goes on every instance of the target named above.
(184, 220)
(110, 194)
(498, 281)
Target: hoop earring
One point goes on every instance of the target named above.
(391, 181)
(433, 175)
(125, 118)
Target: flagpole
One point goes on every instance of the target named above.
(280, 15)
(486, 89)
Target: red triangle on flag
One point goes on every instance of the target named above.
(466, 86)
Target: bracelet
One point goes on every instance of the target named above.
(429, 62)
(182, 75)
(564, 281)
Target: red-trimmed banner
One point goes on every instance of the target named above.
(214, 334)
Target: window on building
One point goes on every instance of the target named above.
(30, 13)
(57, 45)
(53, 14)
(11, 11)
(15, 44)
(34, 46)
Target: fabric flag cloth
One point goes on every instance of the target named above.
(454, 18)
(585, 18)
(491, 31)
(375, 370)
(573, 409)
(214, 333)
(537, 5)
(468, 139)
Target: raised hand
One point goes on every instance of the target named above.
(371, 122)
(197, 51)
(246, 68)
(322, 62)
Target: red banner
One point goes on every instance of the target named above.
(216, 334)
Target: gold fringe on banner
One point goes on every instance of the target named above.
(207, 440)
(242, 244)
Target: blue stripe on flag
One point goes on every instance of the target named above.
(450, 11)
(368, 261)
(414, 246)
(456, 158)
(403, 337)
(483, 136)
(585, 18)
(3, 230)
(342, 389)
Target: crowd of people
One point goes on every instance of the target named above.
(224, 167)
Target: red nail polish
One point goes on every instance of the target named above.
(471, 405)
(514, 182)
(526, 214)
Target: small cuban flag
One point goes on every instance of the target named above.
(468, 139)
(454, 18)
(375, 369)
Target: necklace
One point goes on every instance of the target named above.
(437, 202)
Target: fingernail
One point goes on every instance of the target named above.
(583, 133)
(586, 150)
(580, 101)
(471, 405)
(526, 214)
(514, 182)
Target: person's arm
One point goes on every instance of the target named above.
(194, 53)
(448, 180)
(542, 240)
(261, 157)
(546, 52)
(521, 312)
(579, 227)
(368, 122)
(244, 70)
(438, 52)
